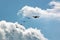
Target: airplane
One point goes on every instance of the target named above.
(36, 16)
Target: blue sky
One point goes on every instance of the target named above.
(9, 9)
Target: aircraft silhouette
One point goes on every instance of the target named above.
(36, 16)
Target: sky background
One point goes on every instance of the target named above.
(10, 8)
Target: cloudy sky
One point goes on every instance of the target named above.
(30, 19)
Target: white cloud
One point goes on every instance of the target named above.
(55, 8)
(54, 12)
(15, 31)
